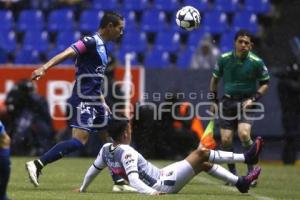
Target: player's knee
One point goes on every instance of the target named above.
(226, 142)
(244, 134)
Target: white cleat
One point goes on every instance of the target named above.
(123, 188)
(33, 173)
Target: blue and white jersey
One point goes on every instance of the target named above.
(91, 63)
(2, 129)
(123, 160)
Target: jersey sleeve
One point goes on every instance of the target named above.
(218, 70)
(129, 160)
(263, 73)
(83, 45)
(99, 163)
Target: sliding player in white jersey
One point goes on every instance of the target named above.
(122, 159)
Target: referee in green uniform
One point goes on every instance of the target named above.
(245, 80)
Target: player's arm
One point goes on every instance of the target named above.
(216, 75)
(263, 79)
(213, 85)
(92, 172)
(139, 185)
(130, 163)
(67, 53)
(102, 100)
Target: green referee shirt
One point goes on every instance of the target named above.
(240, 77)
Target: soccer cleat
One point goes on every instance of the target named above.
(244, 182)
(123, 188)
(251, 156)
(33, 173)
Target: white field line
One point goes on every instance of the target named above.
(227, 188)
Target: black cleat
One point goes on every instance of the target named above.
(251, 156)
(244, 182)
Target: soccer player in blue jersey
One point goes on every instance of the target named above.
(90, 112)
(4, 161)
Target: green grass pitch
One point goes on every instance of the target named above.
(59, 179)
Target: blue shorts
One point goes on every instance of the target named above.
(2, 128)
(89, 116)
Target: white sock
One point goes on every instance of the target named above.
(220, 172)
(225, 157)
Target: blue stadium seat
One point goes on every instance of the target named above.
(157, 59)
(134, 41)
(130, 20)
(257, 6)
(227, 41)
(153, 21)
(6, 21)
(28, 56)
(201, 5)
(184, 58)
(195, 37)
(8, 41)
(245, 20)
(61, 20)
(228, 6)
(166, 5)
(30, 19)
(36, 40)
(3, 56)
(105, 5)
(88, 19)
(66, 38)
(135, 5)
(167, 41)
(215, 22)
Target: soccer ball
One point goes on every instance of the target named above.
(188, 18)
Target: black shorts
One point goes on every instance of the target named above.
(231, 113)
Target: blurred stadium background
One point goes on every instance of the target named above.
(32, 31)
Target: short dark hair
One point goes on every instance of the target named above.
(243, 32)
(110, 17)
(117, 126)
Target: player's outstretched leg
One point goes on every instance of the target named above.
(252, 155)
(57, 152)
(241, 182)
(244, 182)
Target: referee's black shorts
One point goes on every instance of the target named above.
(231, 112)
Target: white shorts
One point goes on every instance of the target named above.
(173, 177)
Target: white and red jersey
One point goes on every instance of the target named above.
(123, 160)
